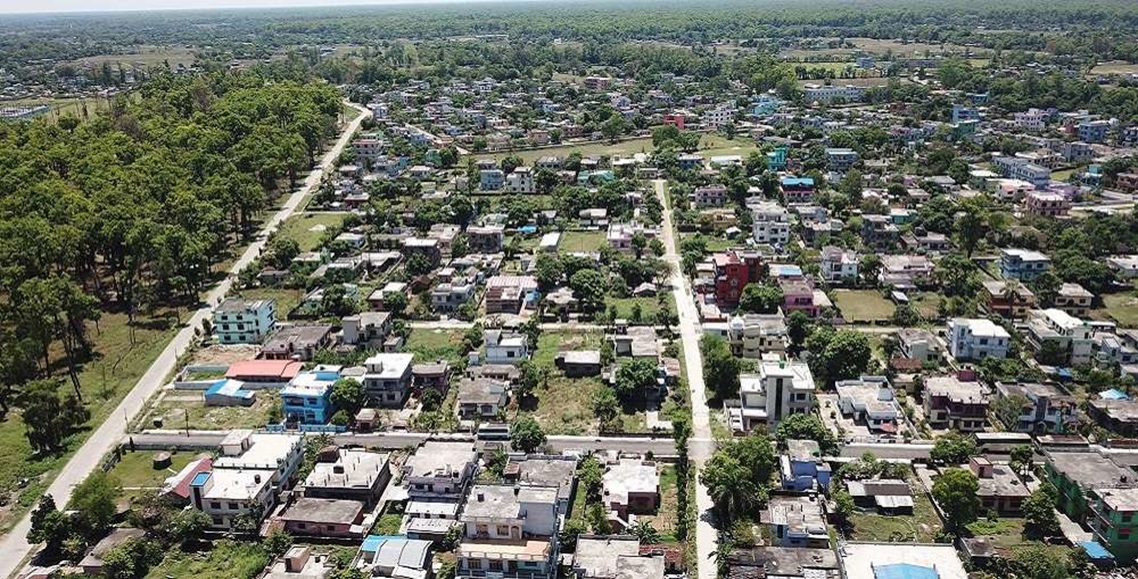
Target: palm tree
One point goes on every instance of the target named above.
(644, 531)
(1010, 294)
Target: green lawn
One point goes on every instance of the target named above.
(648, 306)
(104, 380)
(927, 304)
(1123, 308)
(582, 241)
(226, 560)
(136, 469)
(920, 527)
(387, 524)
(564, 405)
(664, 520)
(714, 144)
(286, 299)
(431, 345)
(300, 227)
(862, 305)
(1007, 533)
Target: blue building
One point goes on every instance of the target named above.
(802, 467)
(776, 159)
(308, 397)
(491, 179)
(228, 392)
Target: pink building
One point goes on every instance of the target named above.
(1046, 204)
(798, 295)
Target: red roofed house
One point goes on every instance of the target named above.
(733, 271)
(177, 487)
(264, 371)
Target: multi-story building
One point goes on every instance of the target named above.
(351, 474)
(796, 189)
(598, 82)
(840, 159)
(752, 335)
(1022, 169)
(869, 400)
(520, 181)
(229, 496)
(1023, 264)
(1076, 474)
(439, 471)
(1009, 299)
(1114, 514)
(1046, 204)
(1048, 409)
(709, 196)
(504, 347)
(733, 270)
(838, 265)
(797, 295)
(308, 397)
(802, 467)
(631, 486)
(779, 389)
(976, 339)
(1093, 131)
(919, 344)
(906, 271)
(1117, 415)
(238, 321)
(485, 238)
(620, 235)
(1055, 332)
(1031, 119)
(510, 532)
(770, 222)
(825, 94)
(797, 522)
(1074, 299)
(956, 404)
(491, 179)
(387, 379)
(878, 232)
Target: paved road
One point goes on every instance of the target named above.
(700, 446)
(14, 545)
(461, 325)
(209, 439)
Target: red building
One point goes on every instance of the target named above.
(675, 119)
(733, 271)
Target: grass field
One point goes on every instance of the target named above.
(1007, 533)
(862, 305)
(582, 241)
(1122, 308)
(927, 304)
(920, 527)
(63, 106)
(388, 524)
(136, 469)
(623, 148)
(286, 298)
(177, 409)
(146, 55)
(226, 560)
(648, 306)
(564, 405)
(308, 228)
(1115, 67)
(664, 520)
(116, 367)
(431, 345)
(714, 144)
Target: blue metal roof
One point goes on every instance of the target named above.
(1095, 550)
(1113, 394)
(797, 181)
(372, 543)
(904, 571)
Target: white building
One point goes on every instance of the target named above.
(869, 400)
(237, 321)
(387, 378)
(520, 181)
(511, 532)
(771, 222)
(752, 335)
(279, 454)
(504, 347)
(779, 389)
(439, 471)
(976, 339)
(229, 495)
(838, 264)
(1031, 119)
(1069, 334)
(824, 94)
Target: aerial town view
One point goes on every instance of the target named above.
(583, 289)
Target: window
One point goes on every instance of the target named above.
(217, 521)
(302, 525)
(215, 505)
(503, 530)
(475, 563)
(495, 565)
(233, 506)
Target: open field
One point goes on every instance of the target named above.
(1007, 533)
(286, 298)
(145, 55)
(920, 527)
(862, 305)
(664, 520)
(1122, 308)
(713, 144)
(308, 228)
(623, 148)
(226, 560)
(177, 409)
(431, 345)
(581, 241)
(74, 107)
(115, 368)
(136, 469)
(648, 306)
(1115, 67)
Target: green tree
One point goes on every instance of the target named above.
(720, 368)
(952, 448)
(606, 406)
(548, 271)
(1046, 287)
(1040, 562)
(1039, 518)
(50, 416)
(95, 500)
(526, 435)
(396, 303)
(277, 543)
(417, 264)
(572, 529)
(843, 504)
(49, 526)
(348, 394)
(589, 286)
(187, 526)
(1022, 459)
(869, 268)
(807, 427)
(634, 378)
(644, 531)
(729, 484)
(761, 298)
(530, 378)
(797, 329)
(956, 491)
(838, 355)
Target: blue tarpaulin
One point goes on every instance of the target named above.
(904, 571)
(1095, 550)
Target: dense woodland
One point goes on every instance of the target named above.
(133, 207)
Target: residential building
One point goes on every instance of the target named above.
(579, 363)
(919, 344)
(615, 557)
(1074, 299)
(1124, 266)
(229, 392)
(752, 335)
(1093, 131)
(798, 295)
(733, 270)
(779, 389)
(1048, 409)
(350, 474)
(1058, 338)
(1000, 490)
(1046, 204)
(449, 296)
(838, 265)
(481, 399)
(901, 560)
(1031, 119)
(797, 522)
(796, 189)
(1023, 264)
(1118, 415)
(869, 400)
(1009, 299)
(954, 403)
(801, 467)
(598, 82)
(1114, 512)
(505, 347)
(1022, 169)
(324, 518)
(631, 486)
(885, 496)
(227, 496)
(542, 470)
(840, 159)
(395, 557)
(771, 222)
(439, 471)
(783, 563)
(977, 338)
(365, 328)
(620, 235)
(280, 454)
(485, 238)
(297, 343)
(491, 179)
(308, 397)
(511, 532)
(828, 94)
(238, 321)
(1076, 474)
(387, 379)
(709, 196)
(521, 180)
(905, 272)
(878, 232)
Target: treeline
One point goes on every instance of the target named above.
(135, 206)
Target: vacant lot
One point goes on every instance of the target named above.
(664, 520)
(225, 560)
(286, 299)
(145, 56)
(582, 241)
(431, 345)
(1122, 308)
(862, 305)
(136, 469)
(1115, 67)
(176, 409)
(308, 228)
(711, 145)
(920, 527)
(648, 306)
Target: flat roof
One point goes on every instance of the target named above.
(358, 469)
(331, 511)
(863, 560)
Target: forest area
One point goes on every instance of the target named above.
(107, 222)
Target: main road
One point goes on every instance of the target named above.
(14, 545)
(701, 445)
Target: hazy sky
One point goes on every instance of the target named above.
(30, 6)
